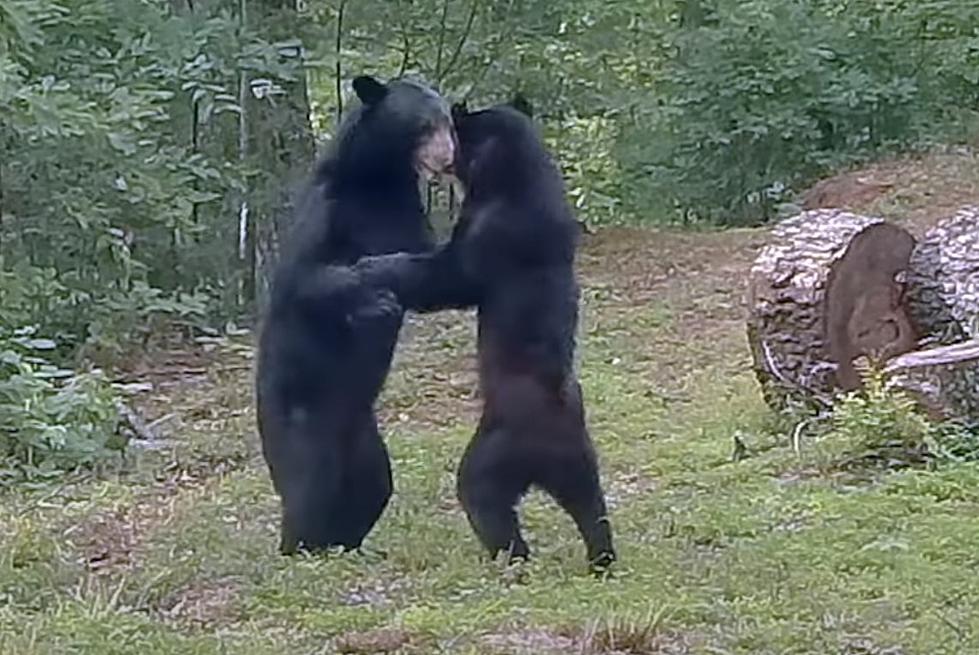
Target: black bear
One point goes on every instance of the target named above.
(512, 255)
(327, 341)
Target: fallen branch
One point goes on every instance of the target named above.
(944, 380)
(135, 422)
(940, 356)
(177, 372)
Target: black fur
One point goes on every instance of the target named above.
(512, 255)
(327, 341)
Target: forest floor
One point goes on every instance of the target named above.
(174, 551)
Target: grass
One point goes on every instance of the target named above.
(174, 551)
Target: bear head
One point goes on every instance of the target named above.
(410, 119)
(496, 144)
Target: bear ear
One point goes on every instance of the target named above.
(369, 90)
(521, 104)
(459, 110)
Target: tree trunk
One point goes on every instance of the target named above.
(280, 147)
(826, 291)
(943, 284)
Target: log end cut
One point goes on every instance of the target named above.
(826, 291)
(865, 313)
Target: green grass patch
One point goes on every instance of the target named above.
(770, 552)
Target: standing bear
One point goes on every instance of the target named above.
(327, 341)
(512, 255)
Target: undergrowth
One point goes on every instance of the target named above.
(884, 423)
(53, 419)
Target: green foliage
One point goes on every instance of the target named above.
(955, 441)
(758, 98)
(878, 416)
(583, 147)
(104, 324)
(716, 111)
(881, 417)
(122, 159)
(139, 314)
(52, 419)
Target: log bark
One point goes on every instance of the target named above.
(944, 380)
(943, 281)
(828, 289)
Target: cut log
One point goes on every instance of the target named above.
(943, 281)
(828, 289)
(944, 380)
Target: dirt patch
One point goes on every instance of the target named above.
(845, 190)
(521, 642)
(433, 381)
(202, 604)
(699, 273)
(376, 594)
(595, 640)
(669, 300)
(105, 541)
(916, 190)
(382, 640)
(661, 644)
(170, 364)
(624, 485)
(864, 646)
(108, 541)
(175, 393)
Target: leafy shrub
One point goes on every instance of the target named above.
(760, 97)
(584, 149)
(51, 419)
(122, 320)
(122, 168)
(878, 417)
(103, 323)
(25, 541)
(955, 441)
